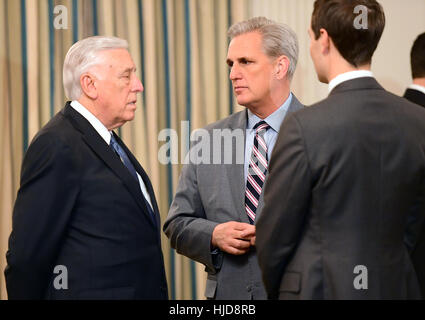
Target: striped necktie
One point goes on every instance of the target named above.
(257, 170)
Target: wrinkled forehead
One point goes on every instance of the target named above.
(117, 59)
(245, 44)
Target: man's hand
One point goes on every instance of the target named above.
(233, 237)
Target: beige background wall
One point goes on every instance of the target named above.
(391, 63)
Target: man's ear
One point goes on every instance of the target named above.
(88, 85)
(324, 41)
(282, 67)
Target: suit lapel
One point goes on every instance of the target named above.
(104, 152)
(235, 172)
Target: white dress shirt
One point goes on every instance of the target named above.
(348, 76)
(274, 121)
(106, 135)
(417, 87)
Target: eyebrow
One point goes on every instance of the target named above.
(131, 69)
(229, 61)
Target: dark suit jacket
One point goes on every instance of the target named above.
(418, 253)
(347, 179)
(415, 96)
(78, 206)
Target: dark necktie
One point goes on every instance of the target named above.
(126, 161)
(257, 171)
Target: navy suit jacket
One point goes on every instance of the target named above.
(418, 253)
(79, 207)
(415, 96)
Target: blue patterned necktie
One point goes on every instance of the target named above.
(123, 156)
(126, 161)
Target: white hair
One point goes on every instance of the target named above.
(278, 38)
(81, 57)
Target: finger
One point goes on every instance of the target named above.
(235, 251)
(253, 240)
(248, 233)
(240, 244)
(241, 226)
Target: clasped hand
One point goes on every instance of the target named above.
(233, 237)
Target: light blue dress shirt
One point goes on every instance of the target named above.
(274, 121)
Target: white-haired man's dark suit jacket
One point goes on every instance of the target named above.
(79, 207)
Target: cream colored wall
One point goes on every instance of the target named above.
(391, 62)
(296, 14)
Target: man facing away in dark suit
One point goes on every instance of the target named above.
(211, 219)
(416, 94)
(86, 222)
(347, 175)
(416, 91)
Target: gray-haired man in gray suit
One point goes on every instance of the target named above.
(212, 217)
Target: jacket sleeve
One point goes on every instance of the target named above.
(45, 200)
(287, 197)
(187, 226)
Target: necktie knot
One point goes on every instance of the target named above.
(261, 127)
(114, 142)
(123, 157)
(116, 147)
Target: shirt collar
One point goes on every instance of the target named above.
(275, 119)
(348, 76)
(95, 122)
(417, 87)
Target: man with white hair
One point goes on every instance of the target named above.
(86, 222)
(212, 218)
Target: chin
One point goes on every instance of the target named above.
(130, 118)
(127, 118)
(243, 102)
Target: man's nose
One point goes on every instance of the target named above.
(137, 85)
(235, 73)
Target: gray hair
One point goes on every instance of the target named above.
(81, 57)
(278, 38)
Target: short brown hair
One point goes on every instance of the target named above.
(417, 57)
(337, 17)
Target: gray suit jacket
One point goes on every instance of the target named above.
(210, 194)
(346, 180)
